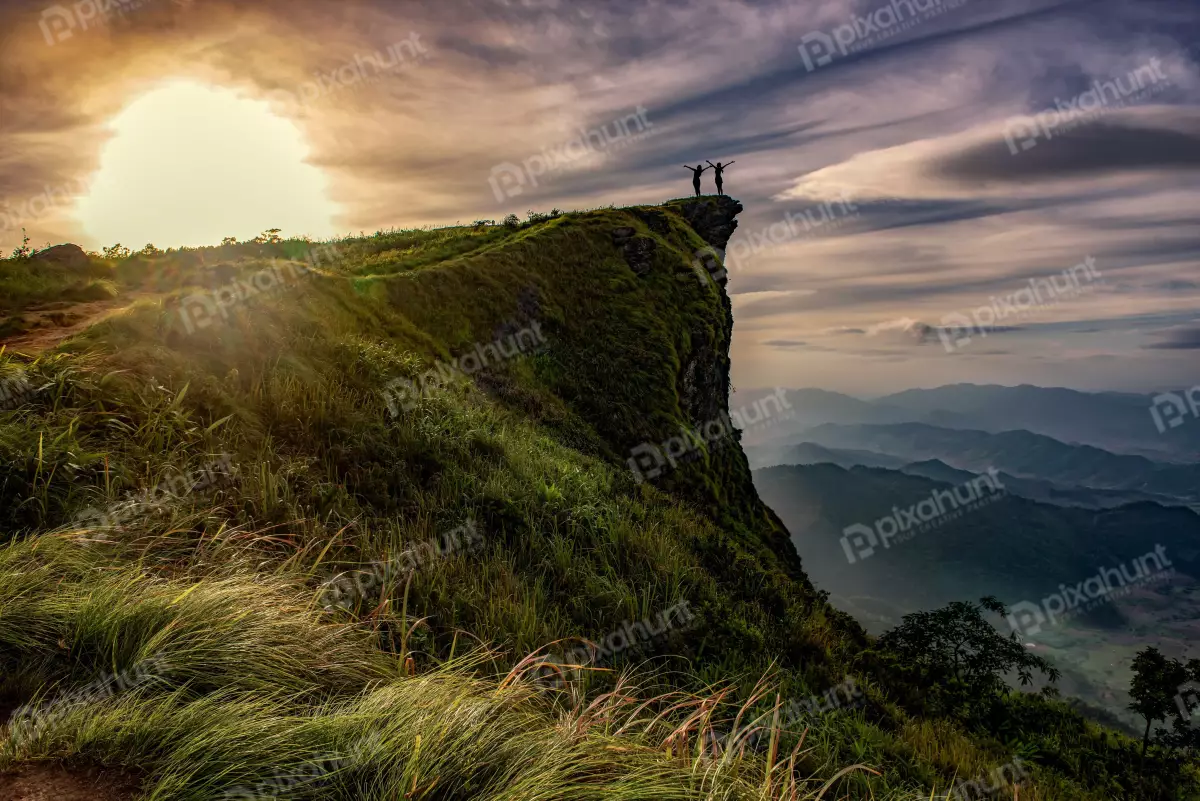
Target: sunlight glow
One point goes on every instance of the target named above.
(190, 164)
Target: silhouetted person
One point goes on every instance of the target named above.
(719, 168)
(696, 173)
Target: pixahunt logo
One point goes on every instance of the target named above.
(201, 309)
(403, 394)
(1021, 133)
(509, 180)
(845, 696)
(1188, 701)
(347, 590)
(648, 461)
(942, 506)
(15, 390)
(957, 329)
(820, 47)
(1171, 409)
(41, 204)
(29, 721)
(563, 667)
(58, 22)
(360, 71)
(822, 218)
(1027, 618)
(1002, 780)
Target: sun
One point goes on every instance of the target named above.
(190, 164)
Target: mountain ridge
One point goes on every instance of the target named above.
(406, 537)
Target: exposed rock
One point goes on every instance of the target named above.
(69, 256)
(709, 261)
(637, 250)
(639, 254)
(655, 220)
(702, 385)
(714, 218)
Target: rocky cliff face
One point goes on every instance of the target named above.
(714, 218)
(704, 385)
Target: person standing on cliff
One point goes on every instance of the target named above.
(719, 170)
(696, 173)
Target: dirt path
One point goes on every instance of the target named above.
(54, 782)
(46, 326)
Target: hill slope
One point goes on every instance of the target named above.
(259, 524)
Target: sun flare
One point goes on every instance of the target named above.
(190, 164)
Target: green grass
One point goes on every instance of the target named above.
(25, 283)
(227, 585)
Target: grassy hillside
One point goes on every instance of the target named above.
(272, 528)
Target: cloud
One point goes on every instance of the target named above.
(1178, 339)
(1129, 141)
(912, 127)
(904, 330)
(964, 173)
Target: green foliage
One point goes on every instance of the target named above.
(231, 583)
(268, 237)
(958, 657)
(1156, 692)
(23, 251)
(117, 252)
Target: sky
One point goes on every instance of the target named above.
(982, 191)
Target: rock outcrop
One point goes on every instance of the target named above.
(637, 250)
(714, 218)
(69, 256)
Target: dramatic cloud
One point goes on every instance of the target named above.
(1127, 142)
(932, 169)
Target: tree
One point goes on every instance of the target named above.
(954, 651)
(24, 251)
(1157, 689)
(268, 237)
(117, 252)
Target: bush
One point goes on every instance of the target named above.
(24, 251)
(117, 252)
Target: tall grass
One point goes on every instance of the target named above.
(225, 587)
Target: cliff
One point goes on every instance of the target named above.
(300, 494)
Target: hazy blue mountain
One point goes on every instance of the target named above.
(937, 470)
(813, 407)
(1117, 422)
(1114, 421)
(1020, 453)
(1026, 553)
(812, 453)
(1036, 489)
(1013, 547)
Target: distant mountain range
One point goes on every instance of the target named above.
(807, 453)
(1085, 482)
(1007, 545)
(1022, 454)
(1120, 423)
(1028, 553)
